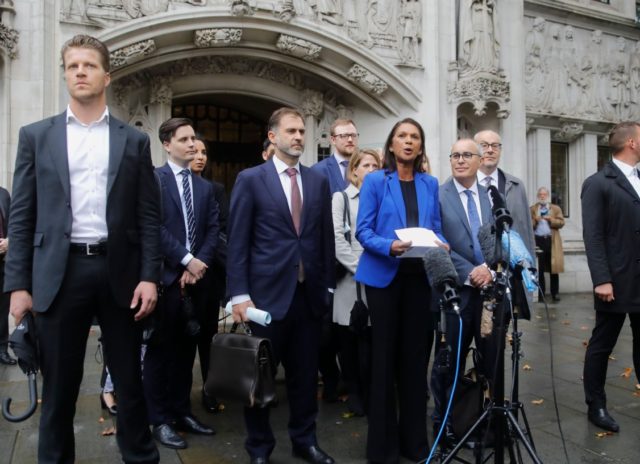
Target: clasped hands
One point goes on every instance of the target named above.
(194, 272)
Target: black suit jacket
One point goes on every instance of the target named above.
(611, 232)
(264, 250)
(41, 216)
(5, 209)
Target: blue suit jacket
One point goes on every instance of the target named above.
(380, 213)
(330, 169)
(456, 228)
(173, 233)
(264, 249)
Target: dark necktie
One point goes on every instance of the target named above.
(296, 199)
(345, 164)
(188, 204)
(474, 222)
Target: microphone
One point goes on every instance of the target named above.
(520, 258)
(501, 214)
(443, 276)
(487, 240)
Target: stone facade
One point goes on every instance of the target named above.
(542, 72)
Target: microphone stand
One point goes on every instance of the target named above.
(502, 412)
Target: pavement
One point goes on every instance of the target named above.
(567, 328)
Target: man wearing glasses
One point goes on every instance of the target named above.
(344, 138)
(510, 187)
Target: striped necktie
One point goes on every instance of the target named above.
(188, 203)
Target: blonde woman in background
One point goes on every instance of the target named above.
(351, 351)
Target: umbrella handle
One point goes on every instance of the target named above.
(33, 403)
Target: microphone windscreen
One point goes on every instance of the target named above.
(487, 240)
(440, 270)
(518, 252)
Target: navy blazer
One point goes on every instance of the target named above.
(456, 228)
(380, 213)
(173, 232)
(264, 249)
(330, 169)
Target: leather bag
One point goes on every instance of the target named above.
(242, 368)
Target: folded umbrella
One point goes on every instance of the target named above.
(24, 344)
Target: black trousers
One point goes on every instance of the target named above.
(168, 364)
(355, 362)
(4, 311)
(400, 323)
(603, 340)
(206, 298)
(62, 334)
(295, 341)
(544, 265)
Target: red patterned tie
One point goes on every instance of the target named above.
(296, 199)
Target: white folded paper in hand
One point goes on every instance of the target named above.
(420, 239)
(254, 314)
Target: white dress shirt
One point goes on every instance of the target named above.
(88, 158)
(178, 178)
(630, 172)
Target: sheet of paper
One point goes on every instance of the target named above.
(421, 239)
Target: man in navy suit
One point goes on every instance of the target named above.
(464, 207)
(85, 243)
(189, 234)
(344, 138)
(280, 259)
(5, 202)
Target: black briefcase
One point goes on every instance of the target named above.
(242, 368)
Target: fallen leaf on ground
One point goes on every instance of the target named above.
(109, 431)
(638, 386)
(538, 317)
(612, 358)
(565, 322)
(347, 415)
(627, 372)
(101, 420)
(603, 434)
(355, 435)
(537, 402)
(585, 343)
(526, 367)
(584, 327)
(636, 393)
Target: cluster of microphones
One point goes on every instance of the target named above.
(509, 252)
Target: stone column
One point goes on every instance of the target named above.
(538, 156)
(583, 162)
(160, 98)
(311, 106)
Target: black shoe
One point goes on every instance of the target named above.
(5, 358)
(113, 409)
(168, 437)
(600, 417)
(259, 460)
(210, 403)
(555, 298)
(191, 424)
(312, 454)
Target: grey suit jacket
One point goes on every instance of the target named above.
(518, 206)
(41, 216)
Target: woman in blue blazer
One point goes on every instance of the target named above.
(398, 295)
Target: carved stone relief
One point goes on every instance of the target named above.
(481, 90)
(569, 131)
(130, 53)
(411, 32)
(9, 41)
(106, 13)
(311, 103)
(584, 74)
(478, 46)
(140, 120)
(298, 47)
(241, 8)
(160, 90)
(367, 80)
(203, 38)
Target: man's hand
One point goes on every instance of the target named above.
(480, 276)
(197, 268)
(187, 279)
(4, 245)
(398, 247)
(239, 311)
(21, 303)
(604, 292)
(145, 295)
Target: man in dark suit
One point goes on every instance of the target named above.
(5, 201)
(610, 228)
(189, 234)
(344, 138)
(464, 207)
(85, 243)
(280, 259)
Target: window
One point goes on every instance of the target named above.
(560, 176)
(606, 2)
(604, 155)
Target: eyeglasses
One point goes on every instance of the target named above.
(347, 136)
(465, 155)
(495, 146)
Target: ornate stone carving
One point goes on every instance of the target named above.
(311, 103)
(203, 38)
(481, 90)
(108, 12)
(298, 47)
(569, 131)
(478, 46)
(140, 120)
(367, 80)
(287, 10)
(411, 32)
(344, 112)
(7, 12)
(161, 91)
(9, 41)
(603, 140)
(241, 8)
(130, 53)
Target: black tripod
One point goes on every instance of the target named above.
(503, 413)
